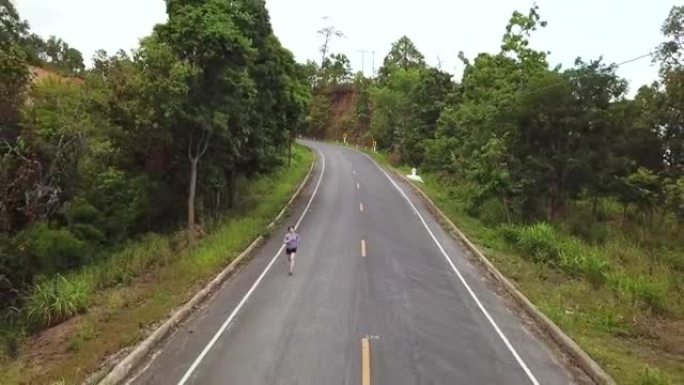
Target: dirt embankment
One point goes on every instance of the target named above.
(341, 116)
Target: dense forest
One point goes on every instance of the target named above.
(148, 141)
(574, 187)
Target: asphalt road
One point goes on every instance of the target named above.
(370, 266)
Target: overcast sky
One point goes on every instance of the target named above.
(618, 30)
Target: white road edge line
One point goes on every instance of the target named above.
(505, 340)
(244, 299)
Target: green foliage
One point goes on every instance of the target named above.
(492, 212)
(588, 229)
(337, 67)
(674, 197)
(51, 250)
(133, 260)
(645, 292)
(14, 74)
(650, 376)
(209, 100)
(57, 299)
(543, 243)
(61, 56)
(642, 189)
(402, 56)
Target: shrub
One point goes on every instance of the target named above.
(11, 334)
(133, 260)
(80, 210)
(541, 242)
(595, 267)
(645, 291)
(492, 212)
(394, 158)
(52, 250)
(88, 233)
(545, 244)
(58, 299)
(509, 233)
(585, 227)
(15, 274)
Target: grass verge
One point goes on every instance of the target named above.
(113, 305)
(622, 301)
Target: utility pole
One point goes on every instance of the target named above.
(363, 61)
(363, 64)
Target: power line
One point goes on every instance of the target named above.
(649, 54)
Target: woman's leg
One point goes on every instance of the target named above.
(292, 260)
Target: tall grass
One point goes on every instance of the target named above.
(650, 376)
(58, 299)
(647, 292)
(542, 243)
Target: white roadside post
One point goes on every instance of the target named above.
(375, 146)
(414, 176)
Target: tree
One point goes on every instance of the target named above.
(642, 189)
(14, 74)
(671, 52)
(435, 92)
(404, 55)
(674, 198)
(505, 108)
(337, 68)
(362, 104)
(671, 119)
(312, 73)
(391, 121)
(59, 55)
(13, 28)
(328, 33)
(603, 122)
(206, 36)
(515, 42)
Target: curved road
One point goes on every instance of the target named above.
(374, 271)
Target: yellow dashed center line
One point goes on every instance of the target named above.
(365, 362)
(363, 247)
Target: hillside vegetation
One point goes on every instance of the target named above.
(110, 172)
